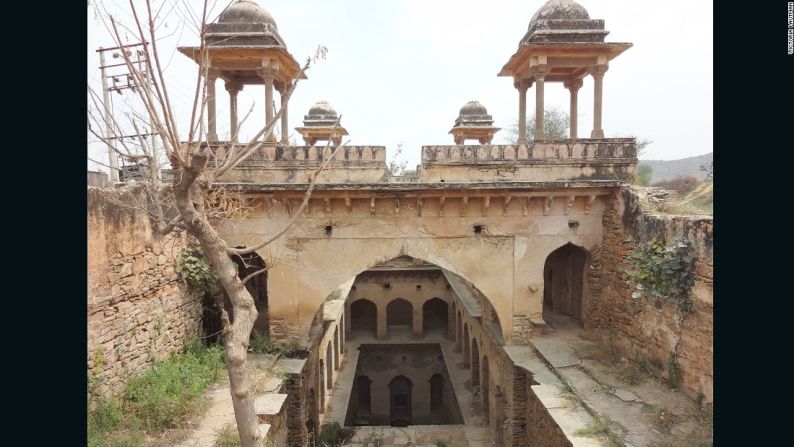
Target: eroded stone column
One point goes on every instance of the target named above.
(212, 132)
(381, 331)
(284, 118)
(598, 77)
(522, 87)
(233, 88)
(540, 75)
(418, 322)
(268, 76)
(573, 86)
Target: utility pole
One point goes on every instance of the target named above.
(138, 58)
(112, 158)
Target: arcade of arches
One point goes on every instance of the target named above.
(423, 348)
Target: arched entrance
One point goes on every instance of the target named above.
(563, 282)
(435, 315)
(459, 334)
(500, 415)
(364, 317)
(336, 349)
(466, 345)
(364, 399)
(399, 314)
(321, 385)
(329, 370)
(256, 285)
(484, 388)
(475, 363)
(436, 394)
(400, 401)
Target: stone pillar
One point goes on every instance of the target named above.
(540, 74)
(212, 133)
(522, 87)
(381, 332)
(233, 88)
(284, 118)
(342, 335)
(573, 86)
(598, 77)
(268, 75)
(417, 331)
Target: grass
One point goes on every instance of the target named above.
(602, 427)
(631, 371)
(161, 398)
(228, 436)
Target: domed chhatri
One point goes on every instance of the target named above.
(562, 44)
(245, 48)
(244, 24)
(473, 123)
(246, 11)
(321, 114)
(320, 125)
(560, 10)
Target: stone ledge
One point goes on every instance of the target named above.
(269, 404)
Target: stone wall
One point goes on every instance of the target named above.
(138, 310)
(543, 429)
(654, 327)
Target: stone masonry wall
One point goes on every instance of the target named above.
(138, 310)
(654, 327)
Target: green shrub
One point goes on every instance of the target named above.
(661, 271)
(194, 269)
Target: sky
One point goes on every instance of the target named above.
(400, 70)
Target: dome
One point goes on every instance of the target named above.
(473, 108)
(246, 11)
(560, 10)
(322, 108)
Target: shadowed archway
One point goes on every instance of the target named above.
(563, 281)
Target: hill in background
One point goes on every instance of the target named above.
(670, 169)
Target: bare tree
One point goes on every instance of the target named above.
(555, 126)
(190, 202)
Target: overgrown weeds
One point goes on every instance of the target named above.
(333, 435)
(228, 436)
(262, 344)
(160, 398)
(602, 427)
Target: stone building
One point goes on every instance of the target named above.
(444, 279)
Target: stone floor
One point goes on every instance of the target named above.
(646, 413)
(473, 433)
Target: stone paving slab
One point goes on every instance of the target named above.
(557, 352)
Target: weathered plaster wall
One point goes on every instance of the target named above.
(655, 327)
(505, 260)
(138, 310)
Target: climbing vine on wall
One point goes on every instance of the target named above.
(663, 271)
(193, 268)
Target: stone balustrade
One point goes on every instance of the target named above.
(607, 149)
(308, 155)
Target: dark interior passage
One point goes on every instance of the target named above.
(563, 281)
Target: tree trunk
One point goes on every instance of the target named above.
(189, 193)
